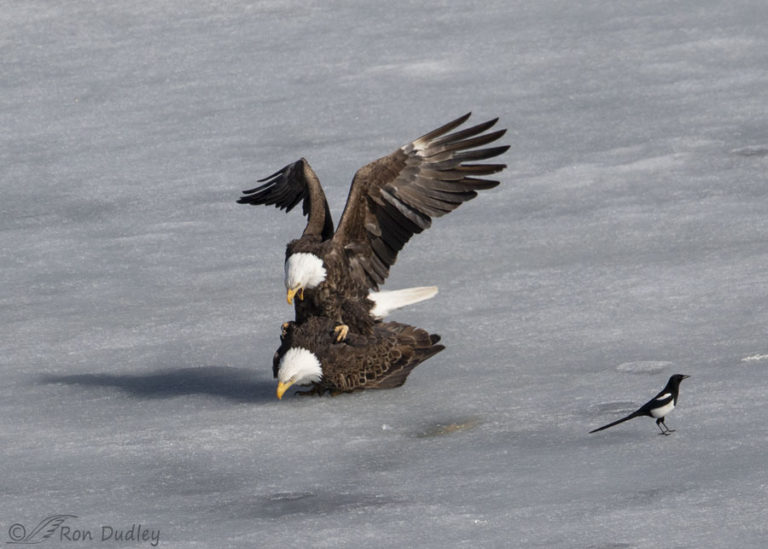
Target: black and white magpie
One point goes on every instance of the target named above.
(658, 407)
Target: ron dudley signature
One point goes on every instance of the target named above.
(61, 528)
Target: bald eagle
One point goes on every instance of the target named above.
(336, 274)
(310, 355)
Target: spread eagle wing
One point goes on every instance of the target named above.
(287, 187)
(396, 196)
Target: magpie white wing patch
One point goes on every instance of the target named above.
(663, 410)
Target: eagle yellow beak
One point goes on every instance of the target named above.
(282, 388)
(292, 292)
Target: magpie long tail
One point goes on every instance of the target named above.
(622, 420)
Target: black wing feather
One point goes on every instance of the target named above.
(284, 189)
(287, 187)
(397, 196)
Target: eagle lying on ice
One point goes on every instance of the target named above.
(309, 355)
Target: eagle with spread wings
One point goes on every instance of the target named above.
(337, 274)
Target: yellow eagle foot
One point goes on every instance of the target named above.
(341, 332)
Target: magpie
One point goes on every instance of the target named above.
(658, 407)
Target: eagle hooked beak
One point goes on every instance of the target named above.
(282, 388)
(292, 292)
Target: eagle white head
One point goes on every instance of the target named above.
(302, 270)
(298, 366)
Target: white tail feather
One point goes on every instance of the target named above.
(388, 301)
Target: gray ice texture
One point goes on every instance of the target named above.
(140, 306)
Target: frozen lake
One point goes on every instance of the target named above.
(140, 306)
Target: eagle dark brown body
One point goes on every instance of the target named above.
(389, 201)
(339, 297)
(381, 360)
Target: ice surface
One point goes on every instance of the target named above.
(140, 306)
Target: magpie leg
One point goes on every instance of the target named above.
(665, 430)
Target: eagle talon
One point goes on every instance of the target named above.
(341, 332)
